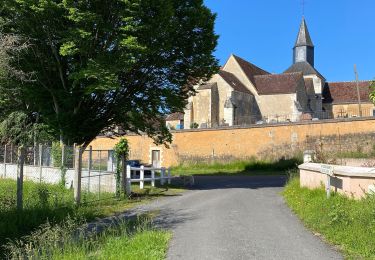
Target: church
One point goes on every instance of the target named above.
(243, 94)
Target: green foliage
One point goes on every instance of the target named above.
(53, 204)
(128, 240)
(372, 93)
(347, 223)
(194, 125)
(95, 65)
(121, 155)
(251, 166)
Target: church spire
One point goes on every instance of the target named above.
(303, 37)
(303, 50)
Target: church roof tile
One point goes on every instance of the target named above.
(277, 83)
(346, 92)
(233, 81)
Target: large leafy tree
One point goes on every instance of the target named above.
(96, 64)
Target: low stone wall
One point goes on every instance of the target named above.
(354, 182)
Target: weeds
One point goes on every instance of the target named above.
(251, 166)
(347, 223)
(70, 240)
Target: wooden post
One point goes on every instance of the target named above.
(5, 161)
(153, 178)
(128, 180)
(169, 176)
(78, 174)
(20, 163)
(40, 162)
(142, 177)
(162, 174)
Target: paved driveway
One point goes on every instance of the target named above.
(237, 218)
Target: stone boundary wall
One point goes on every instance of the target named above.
(239, 143)
(354, 182)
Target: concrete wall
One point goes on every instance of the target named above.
(239, 142)
(351, 181)
(105, 183)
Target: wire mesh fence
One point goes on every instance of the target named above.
(56, 165)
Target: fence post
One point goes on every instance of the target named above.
(40, 162)
(123, 172)
(5, 161)
(153, 178)
(20, 163)
(89, 166)
(162, 174)
(128, 180)
(77, 174)
(169, 175)
(142, 177)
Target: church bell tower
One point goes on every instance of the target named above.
(303, 50)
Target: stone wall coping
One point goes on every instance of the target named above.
(340, 170)
(230, 128)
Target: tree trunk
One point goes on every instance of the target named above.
(20, 164)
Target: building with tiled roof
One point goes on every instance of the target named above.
(241, 93)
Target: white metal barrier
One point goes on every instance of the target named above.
(165, 174)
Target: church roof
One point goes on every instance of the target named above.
(233, 81)
(303, 37)
(249, 69)
(303, 67)
(346, 92)
(277, 83)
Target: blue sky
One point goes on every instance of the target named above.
(264, 31)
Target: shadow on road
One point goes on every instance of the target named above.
(230, 182)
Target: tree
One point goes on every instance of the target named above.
(99, 64)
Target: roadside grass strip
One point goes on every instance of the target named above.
(53, 204)
(252, 166)
(344, 222)
(130, 240)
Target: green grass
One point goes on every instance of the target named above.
(129, 240)
(54, 203)
(345, 222)
(251, 166)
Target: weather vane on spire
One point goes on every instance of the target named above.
(303, 3)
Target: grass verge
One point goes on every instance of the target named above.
(347, 223)
(54, 204)
(130, 240)
(252, 166)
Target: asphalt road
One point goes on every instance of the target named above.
(237, 218)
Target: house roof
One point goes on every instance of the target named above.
(233, 81)
(249, 69)
(303, 67)
(277, 83)
(346, 92)
(303, 37)
(175, 116)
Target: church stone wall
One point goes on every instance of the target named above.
(272, 106)
(243, 111)
(240, 143)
